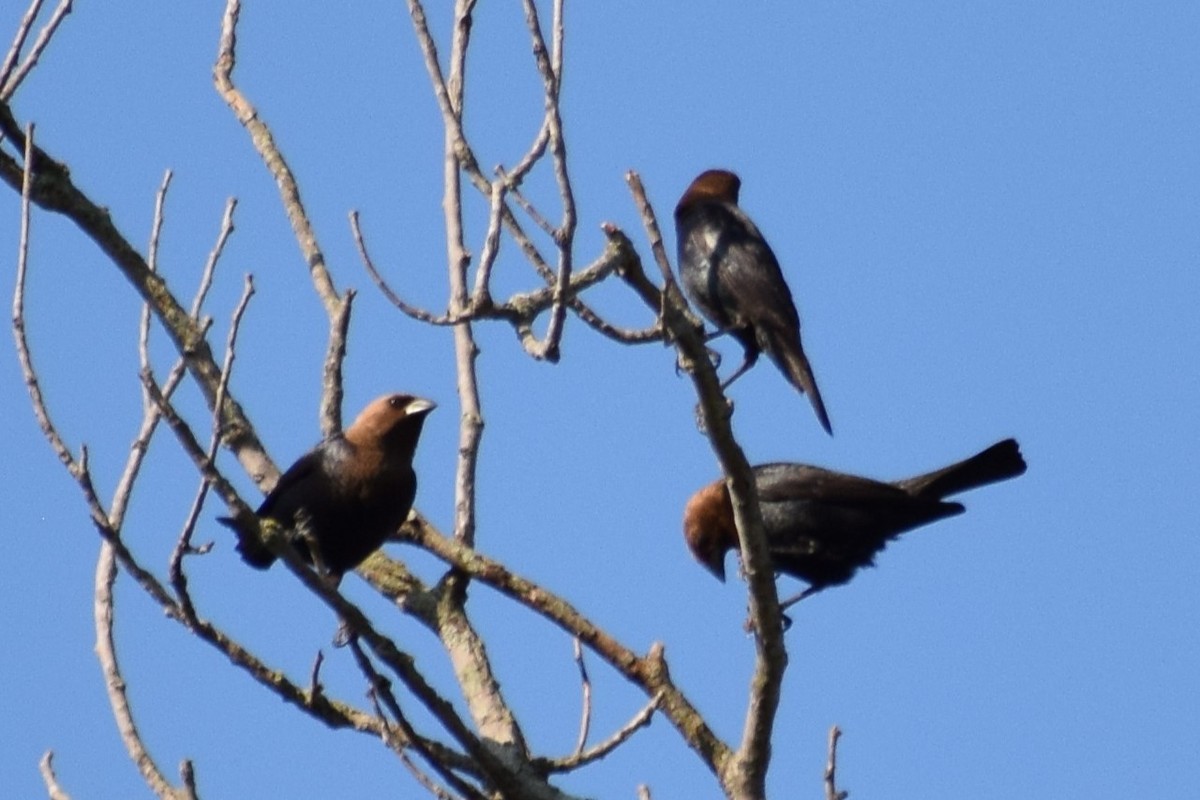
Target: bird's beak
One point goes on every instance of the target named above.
(715, 564)
(420, 406)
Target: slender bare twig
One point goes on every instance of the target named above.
(831, 790)
(564, 235)
(481, 296)
(535, 216)
(187, 777)
(335, 355)
(160, 201)
(18, 43)
(392, 742)
(381, 691)
(426, 781)
(183, 544)
(35, 52)
(77, 468)
(268, 150)
(584, 757)
(214, 255)
(114, 683)
(466, 352)
(46, 765)
(585, 716)
(53, 190)
(470, 165)
(520, 310)
(514, 176)
(400, 663)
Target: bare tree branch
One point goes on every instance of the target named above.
(10, 80)
(381, 690)
(183, 545)
(50, 187)
(335, 355)
(648, 672)
(583, 757)
(114, 683)
(564, 234)
(46, 765)
(264, 143)
(585, 683)
(831, 790)
(18, 43)
(520, 310)
(746, 775)
(214, 255)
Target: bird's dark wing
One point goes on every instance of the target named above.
(750, 281)
(283, 500)
(779, 483)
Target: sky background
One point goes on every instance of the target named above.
(988, 214)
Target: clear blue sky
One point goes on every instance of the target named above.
(990, 216)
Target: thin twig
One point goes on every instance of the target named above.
(14, 52)
(513, 177)
(470, 165)
(564, 234)
(183, 544)
(585, 716)
(268, 150)
(35, 52)
(53, 190)
(831, 790)
(187, 776)
(214, 255)
(381, 691)
(584, 757)
(335, 355)
(114, 683)
(535, 216)
(160, 201)
(521, 309)
(481, 296)
(46, 765)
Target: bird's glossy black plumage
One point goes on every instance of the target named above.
(822, 526)
(732, 275)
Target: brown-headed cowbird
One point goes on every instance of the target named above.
(349, 493)
(730, 272)
(821, 526)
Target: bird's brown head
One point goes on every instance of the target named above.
(709, 528)
(392, 420)
(714, 184)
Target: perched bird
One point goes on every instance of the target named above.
(729, 271)
(821, 526)
(347, 494)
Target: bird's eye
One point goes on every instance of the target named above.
(396, 401)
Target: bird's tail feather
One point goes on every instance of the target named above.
(999, 462)
(252, 550)
(785, 350)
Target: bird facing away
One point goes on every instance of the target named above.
(821, 526)
(731, 274)
(347, 494)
